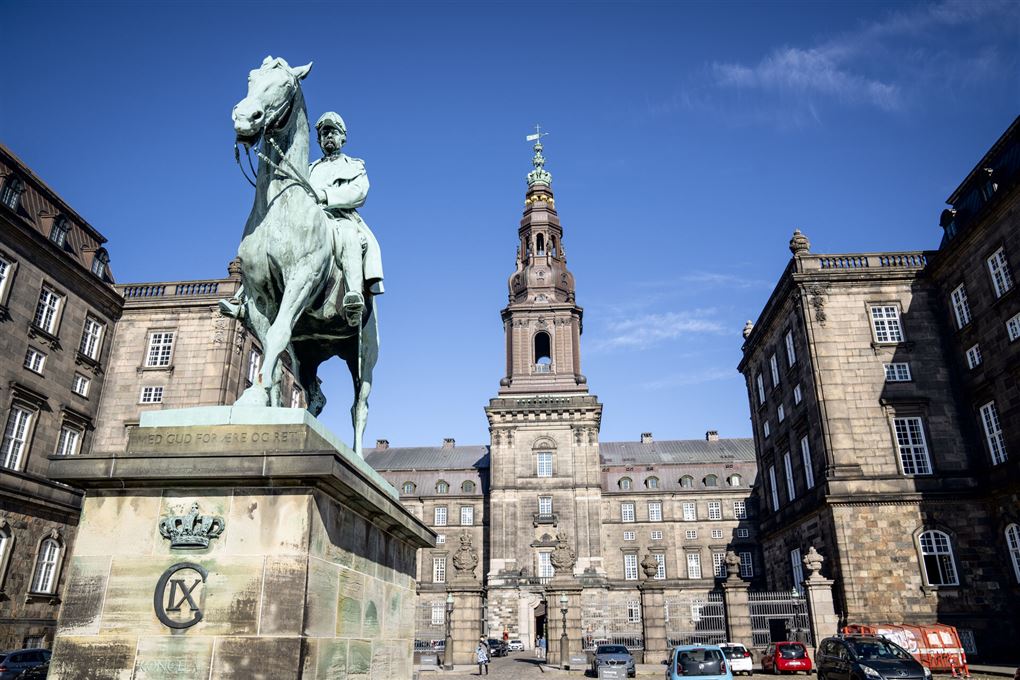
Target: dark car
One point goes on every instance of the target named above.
(613, 656)
(498, 647)
(38, 673)
(14, 662)
(865, 657)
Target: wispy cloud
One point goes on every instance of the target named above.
(698, 377)
(647, 330)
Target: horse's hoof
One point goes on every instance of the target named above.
(253, 396)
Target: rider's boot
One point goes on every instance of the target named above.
(232, 308)
(353, 307)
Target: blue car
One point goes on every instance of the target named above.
(705, 662)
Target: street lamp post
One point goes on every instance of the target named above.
(448, 644)
(564, 643)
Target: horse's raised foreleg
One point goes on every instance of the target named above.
(362, 367)
(292, 304)
(258, 323)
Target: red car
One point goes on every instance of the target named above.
(783, 657)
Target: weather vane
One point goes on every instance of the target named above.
(537, 137)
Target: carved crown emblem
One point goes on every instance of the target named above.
(191, 530)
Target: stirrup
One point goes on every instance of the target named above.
(353, 306)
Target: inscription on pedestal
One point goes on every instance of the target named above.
(235, 438)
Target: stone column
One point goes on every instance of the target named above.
(559, 649)
(738, 613)
(466, 625)
(818, 589)
(653, 621)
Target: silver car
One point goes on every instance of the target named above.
(613, 656)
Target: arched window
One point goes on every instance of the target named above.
(711, 480)
(733, 480)
(442, 487)
(1012, 544)
(58, 233)
(408, 488)
(625, 483)
(543, 359)
(6, 544)
(468, 487)
(552, 246)
(652, 483)
(46, 563)
(937, 559)
(11, 194)
(687, 482)
(100, 261)
(540, 245)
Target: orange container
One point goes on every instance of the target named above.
(936, 645)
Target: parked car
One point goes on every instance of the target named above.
(867, 657)
(738, 656)
(785, 657)
(706, 662)
(613, 656)
(38, 673)
(497, 647)
(516, 645)
(13, 662)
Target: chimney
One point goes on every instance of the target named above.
(382, 444)
(646, 438)
(449, 443)
(712, 436)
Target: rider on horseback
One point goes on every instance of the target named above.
(341, 186)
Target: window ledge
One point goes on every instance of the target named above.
(932, 590)
(905, 346)
(49, 598)
(47, 337)
(82, 359)
(156, 369)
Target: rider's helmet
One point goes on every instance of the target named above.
(331, 119)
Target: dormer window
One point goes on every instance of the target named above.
(58, 233)
(100, 262)
(468, 487)
(687, 482)
(733, 480)
(442, 487)
(652, 483)
(625, 483)
(711, 480)
(407, 488)
(11, 194)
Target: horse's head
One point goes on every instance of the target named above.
(271, 88)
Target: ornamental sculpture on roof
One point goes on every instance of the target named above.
(310, 266)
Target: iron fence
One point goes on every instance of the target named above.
(777, 616)
(695, 620)
(604, 623)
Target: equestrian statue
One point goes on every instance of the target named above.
(310, 266)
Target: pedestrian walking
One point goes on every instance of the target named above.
(482, 656)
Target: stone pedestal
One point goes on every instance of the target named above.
(653, 622)
(236, 543)
(558, 651)
(466, 626)
(738, 613)
(821, 611)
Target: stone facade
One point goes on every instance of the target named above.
(58, 308)
(868, 447)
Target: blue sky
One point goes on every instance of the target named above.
(687, 141)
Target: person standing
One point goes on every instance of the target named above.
(482, 657)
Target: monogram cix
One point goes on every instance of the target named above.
(191, 530)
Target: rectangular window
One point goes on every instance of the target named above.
(774, 366)
(974, 357)
(660, 570)
(543, 464)
(633, 612)
(440, 539)
(714, 510)
(1013, 328)
(693, 565)
(719, 564)
(91, 338)
(151, 395)
(898, 372)
(656, 535)
(161, 346)
(34, 360)
(47, 310)
(438, 614)
(630, 566)
(805, 459)
(439, 569)
(961, 308)
(797, 395)
(716, 533)
(67, 443)
(791, 353)
(780, 413)
(993, 433)
(746, 565)
(690, 511)
(740, 509)
(467, 516)
(765, 429)
(81, 385)
(440, 517)
(545, 505)
(743, 533)
(797, 570)
(773, 488)
(15, 437)
(885, 321)
(912, 448)
(791, 490)
(761, 389)
(545, 567)
(691, 534)
(998, 268)
(626, 512)
(254, 364)
(655, 511)
(629, 536)
(5, 274)
(295, 397)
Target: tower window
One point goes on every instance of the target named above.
(543, 358)
(540, 245)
